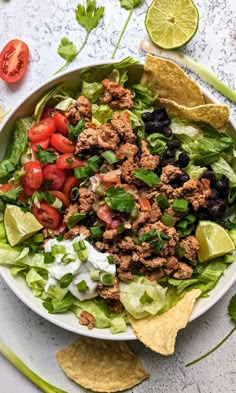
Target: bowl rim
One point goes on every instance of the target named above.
(5, 273)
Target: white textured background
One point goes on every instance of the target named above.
(42, 24)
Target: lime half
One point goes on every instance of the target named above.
(19, 225)
(214, 241)
(171, 23)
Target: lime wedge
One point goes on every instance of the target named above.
(19, 225)
(171, 23)
(214, 241)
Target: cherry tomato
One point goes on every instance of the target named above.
(70, 183)
(41, 131)
(47, 215)
(62, 197)
(14, 59)
(43, 144)
(69, 161)
(33, 174)
(62, 144)
(61, 123)
(144, 204)
(55, 176)
(48, 112)
(27, 190)
(105, 214)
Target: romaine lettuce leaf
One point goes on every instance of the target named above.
(223, 168)
(144, 97)
(93, 91)
(101, 114)
(16, 256)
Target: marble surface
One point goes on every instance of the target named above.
(41, 25)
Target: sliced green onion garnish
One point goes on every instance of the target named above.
(69, 161)
(82, 286)
(110, 156)
(162, 201)
(107, 279)
(191, 218)
(48, 257)
(80, 245)
(81, 172)
(95, 159)
(134, 213)
(74, 193)
(183, 224)
(180, 205)
(180, 252)
(121, 228)
(83, 255)
(66, 280)
(49, 198)
(100, 190)
(146, 298)
(110, 259)
(95, 275)
(67, 258)
(92, 167)
(58, 249)
(60, 236)
(74, 219)
(228, 258)
(96, 232)
(38, 238)
(167, 220)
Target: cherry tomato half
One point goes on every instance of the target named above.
(105, 214)
(69, 161)
(42, 130)
(43, 144)
(33, 175)
(62, 144)
(70, 183)
(14, 59)
(27, 190)
(47, 215)
(61, 196)
(55, 176)
(61, 123)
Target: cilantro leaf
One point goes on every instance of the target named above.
(147, 176)
(12, 195)
(120, 200)
(232, 308)
(130, 4)
(46, 156)
(88, 16)
(74, 131)
(67, 50)
(156, 239)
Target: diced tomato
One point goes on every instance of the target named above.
(69, 161)
(48, 112)
(105, 214)
(70, 183)
(33, 175)
(144, 204)
(27, 190)
(14, 60)
(42, 130)
(62, 144)
(43, 144)
(61, 123)
(61, 196)
(9, 186)
(47, 215)
(55, 176)
(114, 224)
(111, 178)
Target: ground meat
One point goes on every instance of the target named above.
(107, 137)
(132, 190)
(154, 262)
(125, 276)
(184, 271)
(155, 213)
(170, 172)
(175, 215)
(125, 262)
(127, 244)
(81, 108)
(155, 275)
(109, 234)
(170, 192)
(76, 231)
(121, 123)
(72, 209)
(147, 159)
(172, 263)
(115, 306)
(116, 95)
(104, 246)
(128, 150)
(142, 218)
(127, 171)
(191, 246)
(111, 292)
(196, 192)
(87, 319)
(87, 140)
(86, 200)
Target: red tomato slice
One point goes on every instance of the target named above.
(144, 204)
(70, 183)
(27, 190)
(43, 144)
(48, 112)
(61, 123)
(62, 197)
(55, 176)
(33, 175)
(42, 130)
(105, 214)
(14, 59)
(7, 187)
(47, 215)
(62, 144)
(69, 161)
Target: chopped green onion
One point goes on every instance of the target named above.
(60, 236)
(146, 298)
(74, 219)
(96, 232)
(180, 205)
(38, 238)
(191, 218)
(49, 198)
(83, 255)
(167, 220)
(121, 228)
(183, 224)
(58, 249)
(82, 286)
(95, 159)
(69, 161)
(67, 258)
(95, 275)
(180, 252)
(74, 193)
(228, 258)
(66, 280)
(107, 279)
(81, 172)
(110, 156)
(48, 257)
(80, 245)
(134, 213)
(162, 201)
(110, 259)
(100, 190)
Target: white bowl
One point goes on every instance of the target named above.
(68, 320)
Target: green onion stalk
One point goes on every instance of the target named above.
(34, 378)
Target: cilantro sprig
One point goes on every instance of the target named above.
(11, 195)
(232, 315)
(155, 238)
(46, 156)
(118, 199)
(74, 131)
(87, 16)
(147, 176)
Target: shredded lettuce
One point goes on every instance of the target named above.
(93, 91)
(223, 168)
(101, 114)
(144, 98)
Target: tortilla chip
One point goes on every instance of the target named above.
(159, 332)
(1, 114)
(215, 115)
(100, 365)
(170, 82)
